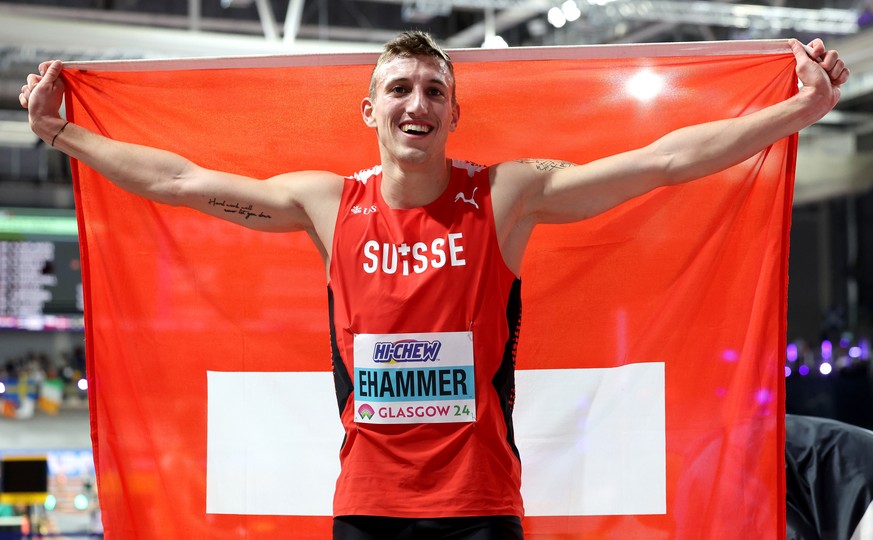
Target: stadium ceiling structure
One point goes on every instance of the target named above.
(35, 30)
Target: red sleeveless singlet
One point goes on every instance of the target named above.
(424, 326)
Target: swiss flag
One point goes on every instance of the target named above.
(650, 397)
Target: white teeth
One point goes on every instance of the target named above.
(418, 128)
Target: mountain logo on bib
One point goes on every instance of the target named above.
(366, 412)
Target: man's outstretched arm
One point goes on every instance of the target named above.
(564, 192)
(282, 203)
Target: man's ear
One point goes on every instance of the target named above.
(367, 112)
(456, 117)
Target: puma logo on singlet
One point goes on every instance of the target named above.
(460, 197)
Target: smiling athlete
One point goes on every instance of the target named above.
(423, 285)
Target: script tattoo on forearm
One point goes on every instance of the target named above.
(547, 164)
(238, 208)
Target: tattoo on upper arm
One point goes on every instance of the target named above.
(238, 208)
(547, 164)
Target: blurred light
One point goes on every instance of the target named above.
(825, 368)
(827, 349)
(730, 355)
(50, 502)
(855, 352)
(80, 501)
(845, 342)
(763, 396)
(536, 27)
(494, 42)
(570, 10)
(803, 370)
(865, 348)
(791, 352)
(2, 388)
(787, 371)
(556, 17)
(645, 85)
(82, 384)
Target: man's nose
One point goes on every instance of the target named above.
(417, 103)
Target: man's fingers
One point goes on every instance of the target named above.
(43, 67)
(840, 74)
(835, 67)
(51, 71)
(800, 50)
(830, 59)
(24, 96)
(48, 78)
(816, 49)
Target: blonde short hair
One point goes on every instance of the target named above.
(410, 44)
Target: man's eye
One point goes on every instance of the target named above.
(436, 92)
(398, 90)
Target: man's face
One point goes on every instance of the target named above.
(412, 108)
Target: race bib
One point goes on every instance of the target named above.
(414, 378)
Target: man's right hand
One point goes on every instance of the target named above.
(42, 97)
(822, 72)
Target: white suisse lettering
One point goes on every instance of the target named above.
(418, 253)
(437, 249)
(389, 268)
(369, 247)
(392, 258)
(455, 249)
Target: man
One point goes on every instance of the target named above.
(426, 395)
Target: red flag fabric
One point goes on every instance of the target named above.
(650, 399)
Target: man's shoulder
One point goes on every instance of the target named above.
(527, 169)
(512, 171)
(498, 173)
(308, 186)
(518, 179)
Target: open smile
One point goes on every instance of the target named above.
(412, 128)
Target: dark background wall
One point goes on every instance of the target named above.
(830, 296)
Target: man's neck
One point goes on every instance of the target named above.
(405, 186)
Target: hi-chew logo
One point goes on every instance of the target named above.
(406, 350)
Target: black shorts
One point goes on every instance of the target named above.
(460, 528)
